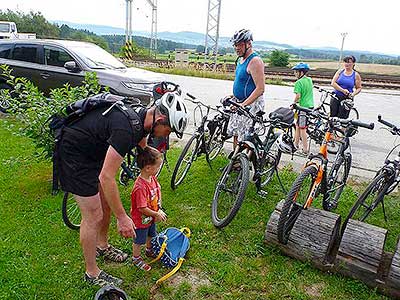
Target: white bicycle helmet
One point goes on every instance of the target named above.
(242, 35)
(173, 106)
(285, 144)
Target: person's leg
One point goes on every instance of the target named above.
(137, 260)
(334, 107)
(102, 239)
(235, 142)
(303, 136)
(297, 136)
(92, 215)
(151, 233)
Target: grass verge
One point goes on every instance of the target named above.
(40, 258)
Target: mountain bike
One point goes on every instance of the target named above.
(316, 178)
(208, 139)
(315, 126)
(254, 159)
(385, 181)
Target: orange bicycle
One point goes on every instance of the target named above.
(315, 178)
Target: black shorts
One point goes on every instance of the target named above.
(302, 119)
(79, 173)
(337, 109)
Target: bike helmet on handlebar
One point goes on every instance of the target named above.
(173, 106)
(285, 144)
(110, 292)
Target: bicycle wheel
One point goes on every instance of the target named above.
(230, 191)
(215, 143)
(272, 159)
(336, 181)
(71, 213)
(185, 160)
(294, 202)
(369, 199)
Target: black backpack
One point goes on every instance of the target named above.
(77, 110)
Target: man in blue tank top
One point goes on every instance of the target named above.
(249, 84)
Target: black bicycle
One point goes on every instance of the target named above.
(384, 182)
(316, 178)
(208, 139)
(254, 159)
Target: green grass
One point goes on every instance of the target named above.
(40, 258)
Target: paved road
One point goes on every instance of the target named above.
(369, 148)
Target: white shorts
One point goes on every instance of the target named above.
(239, 125)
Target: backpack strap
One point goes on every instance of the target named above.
(172, 272)
(162, 250)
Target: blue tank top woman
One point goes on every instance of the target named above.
(244, 84)
(346, 82)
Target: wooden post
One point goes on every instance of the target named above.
(393, 279)
(312, 238)
(361, 252)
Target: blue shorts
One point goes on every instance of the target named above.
(143, 233)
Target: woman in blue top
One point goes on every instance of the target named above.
(249, 84)
(347, 84)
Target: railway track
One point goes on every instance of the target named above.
(319, 76)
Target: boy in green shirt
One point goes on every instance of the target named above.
(303, 89)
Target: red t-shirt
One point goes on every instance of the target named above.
(144, 194)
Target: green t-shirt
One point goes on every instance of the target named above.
(304, 87)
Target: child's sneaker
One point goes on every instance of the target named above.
(140, 263)
(102, 279)
(150, 253)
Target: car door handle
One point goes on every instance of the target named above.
(45, 75)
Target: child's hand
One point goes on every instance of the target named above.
(161, 216)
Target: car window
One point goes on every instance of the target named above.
(25, 53)
(5, 50)
(54, 56)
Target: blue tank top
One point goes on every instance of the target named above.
(244, 84)
(346, 82)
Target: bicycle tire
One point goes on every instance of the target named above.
(353, 114)
(362, 209)
(240, 166)
(331, 197)
(71, 213)
(176, 178)
(215, 143)
(292, 208)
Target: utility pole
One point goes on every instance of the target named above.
(128, 23)
(343, 34)
(153, 37)
(212, 31)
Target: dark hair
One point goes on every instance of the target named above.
(347, 58)
(147, 157)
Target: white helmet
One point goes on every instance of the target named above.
(173, 106)
(285, 144)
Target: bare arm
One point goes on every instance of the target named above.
(336, 86)
(157, 215)
(358, 84)
(256, 70)
(297, 98)
(112, 163)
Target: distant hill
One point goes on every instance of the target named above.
(194, 40)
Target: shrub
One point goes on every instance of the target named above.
(279, 58)
(34, 110)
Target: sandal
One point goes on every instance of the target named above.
(150, 253)
(140, 263)
(112, 254)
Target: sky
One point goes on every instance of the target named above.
(371, 25)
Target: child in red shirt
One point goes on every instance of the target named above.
(146, 203)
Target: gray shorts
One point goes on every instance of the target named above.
(239, 125)
(302, 120)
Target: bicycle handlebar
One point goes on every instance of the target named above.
(388, 124)
(357, 123)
